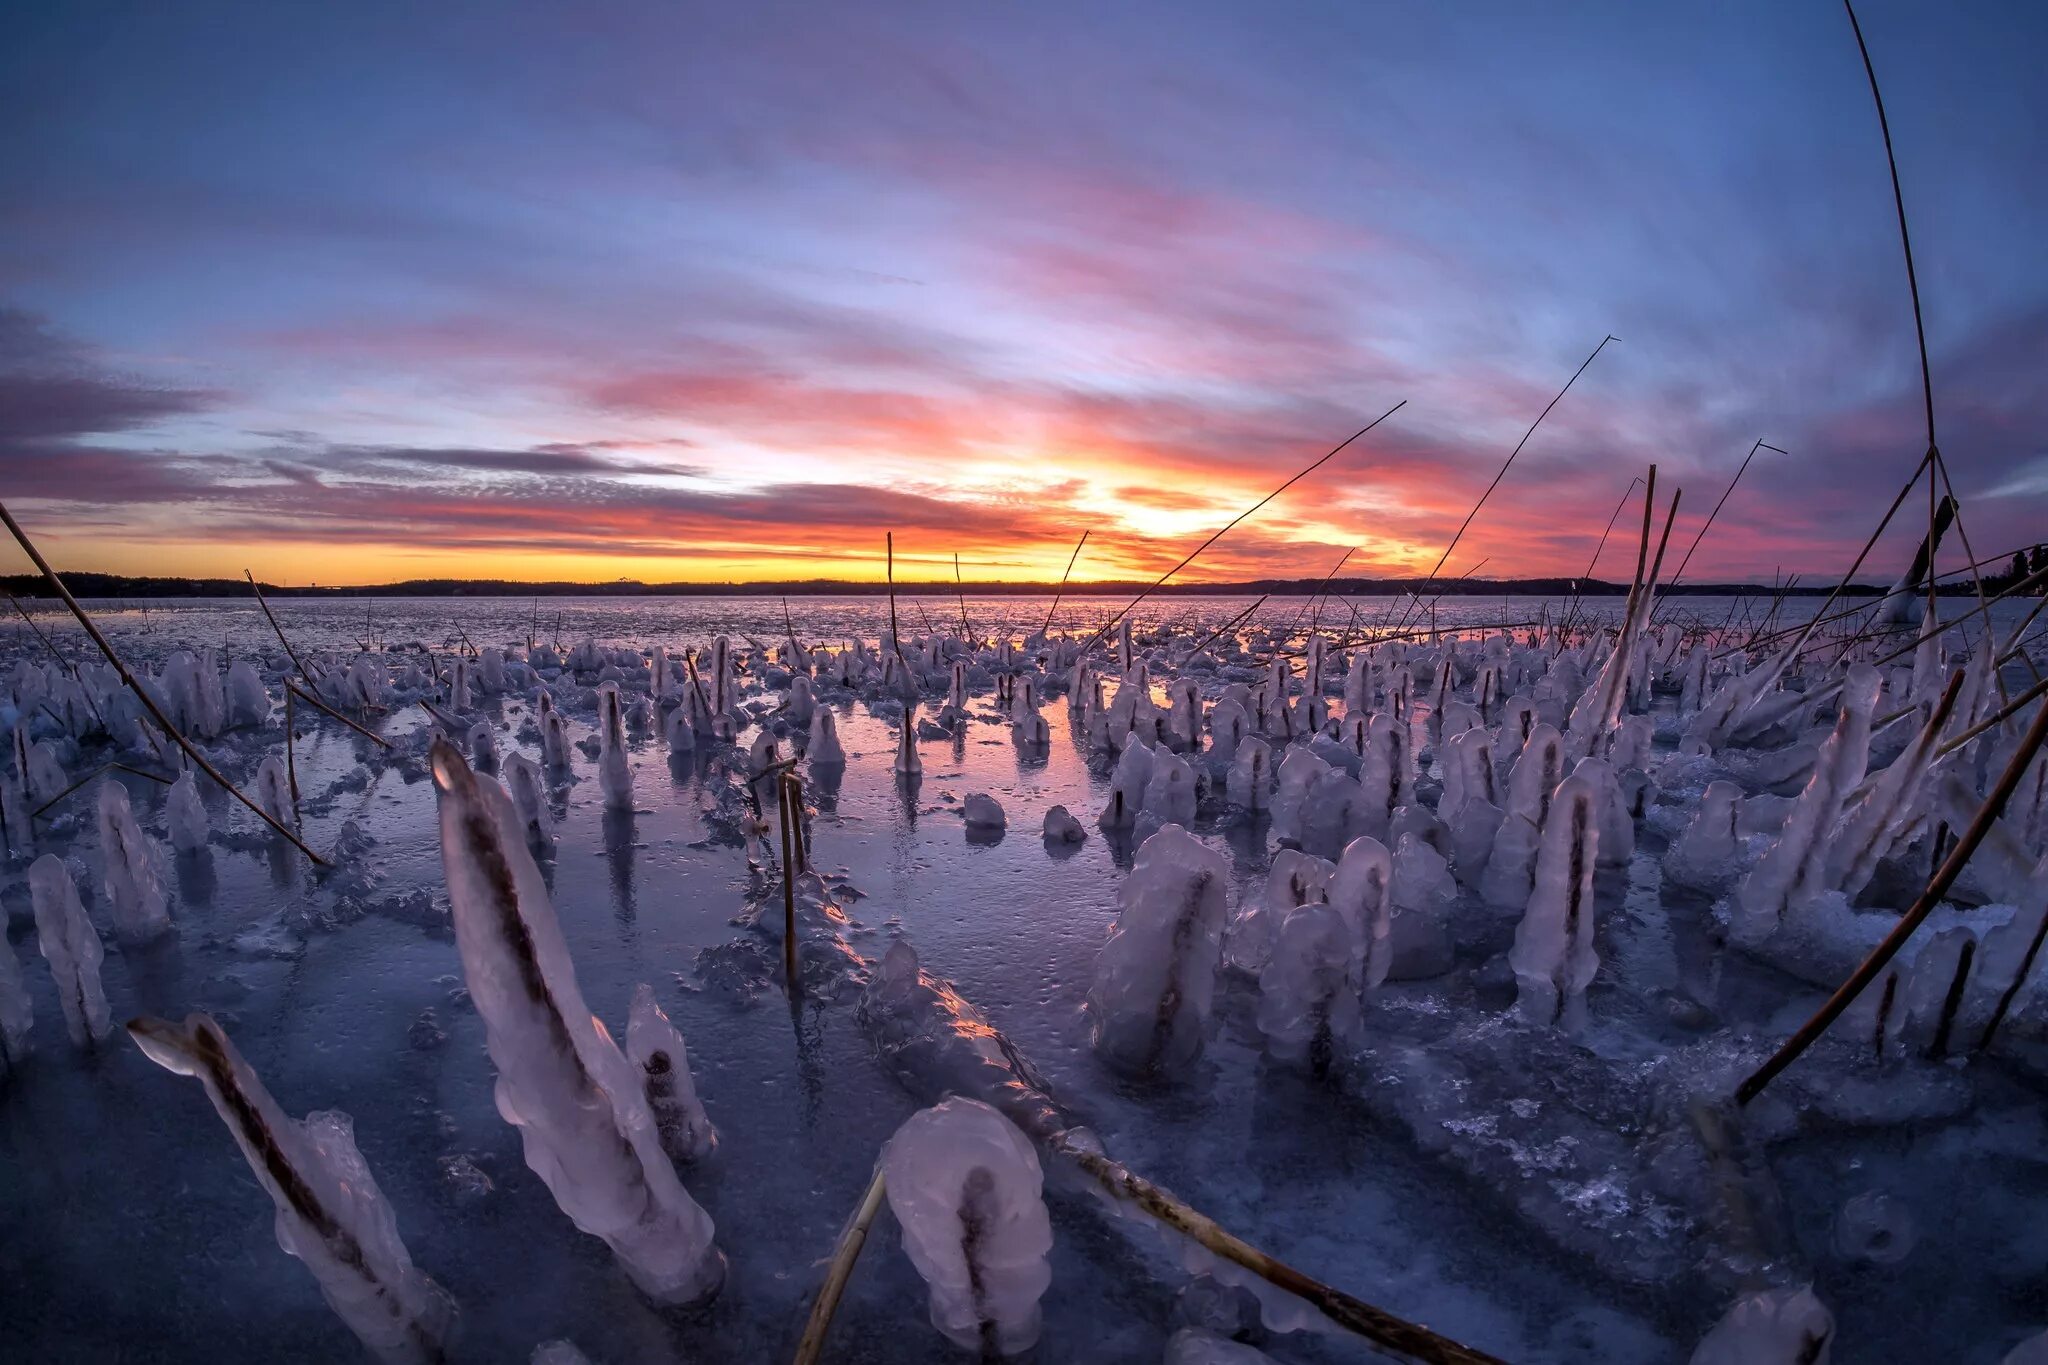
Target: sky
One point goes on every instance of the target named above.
(690, 291)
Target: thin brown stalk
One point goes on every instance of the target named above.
(272, 618)
(291, 688)
(1046, 629)
(811, 1346)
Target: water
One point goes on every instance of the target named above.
(130, 1228)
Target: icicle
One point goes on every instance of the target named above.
(657, 1049)
(72, 946)
(966, 1189)
(579, 1106)
(614, 775)
(1792, 871)
(1156, 976)
(1553, 956)
(530, 800)
(129, 867)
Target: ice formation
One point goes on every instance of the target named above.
(908, 764)
(824, 749)
(581, 1111)
(272, 792)
(248, 704)
(1792, 871)
(614, 775)
(982, 813)
(966, 1189)
(1770, 1327)
(186, 815)
(1156, 976)
(330, 1213)
(483, 745)
(73, 949)
(530, 799)
(1192, 1346)
(130, 867)
(1553, 956)
(657, 1049)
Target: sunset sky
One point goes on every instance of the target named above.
(358, 292)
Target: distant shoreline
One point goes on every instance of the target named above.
(102, 586)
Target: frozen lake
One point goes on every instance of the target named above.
(131, 1229)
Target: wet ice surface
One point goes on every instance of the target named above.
(130, 1228)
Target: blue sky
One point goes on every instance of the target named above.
(688, 291)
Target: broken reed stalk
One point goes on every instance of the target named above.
(811, 1346)
(104, 768)
(1321, 588)
(199, 760)
(1572, 607)
(291, 762)
(1130, 606)
(782, 787)
(1708, 525)
(1466, 524)
(1227, 625)
(1937, 887)
(63, 662)
(2005, 1000)
(48, 644)
(960, 589)
(895, 642)
(313, 701)
(293, 654)
(1383, 1329)
(1047, 627)
(1976, 578)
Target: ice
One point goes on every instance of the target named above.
(1127, 785)
(72, 946)
(1362, 892)
(1771, 1327)
(248, 704)
(186, 815)
(17, 1013)
(1155, 978)
(824, 749)
(558, 1353)
(614, 775)
(1706, 854)
(530, 799)
(679, 735)
(1170, 788)
(655, 1046)
(2032, 1351)
(1062, 828)
(44, 773)
(330, 1213)
(583, 1117)
(1295, 878)
(1308, 992)
(1553, 956)
(1250, 781)
(1791, 872)
(982, 813)
(272, 792)
(131, 868)
(1192, 1346)
(908, 763)
(1511, 867)
(966, 1189)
